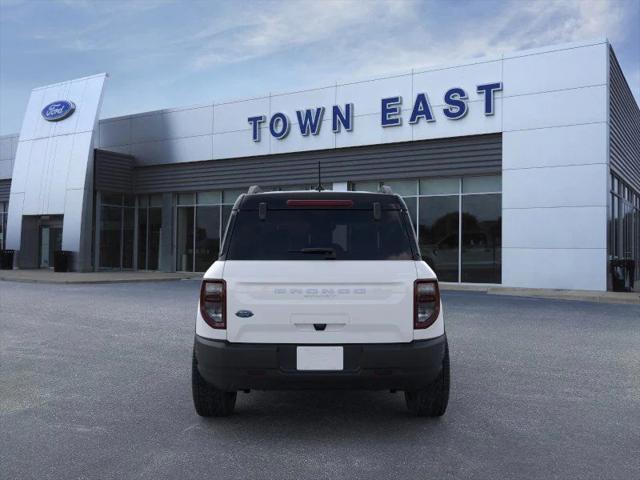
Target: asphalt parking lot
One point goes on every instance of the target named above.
(95, 383)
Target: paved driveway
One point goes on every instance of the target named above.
(95, 383)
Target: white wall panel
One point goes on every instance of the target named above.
(7, 147)
(50, 94)
(6, 167)
(232, 144)
(548, 147)
(32, 115)
(366, 96)
(35, 176)
(77, 164)
(475, 122)
(148, 128)
(289, 103)
(72, 221)
(562, 69)
(189, 122)
(367, 131)
(189, 149)
(576, 269)
(115, 132)
(14, 219)
(90, 104)
(560, 227)
(60, 160)
(568, 107)
(74, 92)
(232, 116)
(53, 157)
(295, 142)
(435, 83)
(574, 186)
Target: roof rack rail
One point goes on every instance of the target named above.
(254, 189)
(386, 189)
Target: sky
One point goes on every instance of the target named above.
(163, 53)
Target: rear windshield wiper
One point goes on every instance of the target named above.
(328, 251)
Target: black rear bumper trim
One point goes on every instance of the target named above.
(388, 366)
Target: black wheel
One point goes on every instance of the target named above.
(208, 400)
(432, 401)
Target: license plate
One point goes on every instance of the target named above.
(320, 358)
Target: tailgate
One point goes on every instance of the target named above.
(319, 302)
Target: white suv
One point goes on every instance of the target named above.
(320, 290)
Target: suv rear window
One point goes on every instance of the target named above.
(315, 234)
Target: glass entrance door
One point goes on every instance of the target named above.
(50, 241)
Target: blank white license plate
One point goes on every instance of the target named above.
(320, 358)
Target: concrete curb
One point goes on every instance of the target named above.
(628, 298)
(97, 282)
(84, 278)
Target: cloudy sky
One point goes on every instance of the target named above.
(172, 53)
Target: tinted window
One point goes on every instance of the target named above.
(319, 235)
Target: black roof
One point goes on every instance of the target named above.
(278, 200)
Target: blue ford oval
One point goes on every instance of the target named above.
(56, 111)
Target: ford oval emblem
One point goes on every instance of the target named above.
(244, 313)
(56, 111)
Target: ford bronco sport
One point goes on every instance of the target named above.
(320, 290)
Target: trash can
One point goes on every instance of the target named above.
(6, 259)
(622, 274)
(61, 260)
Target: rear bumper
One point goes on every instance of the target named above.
(396, 366)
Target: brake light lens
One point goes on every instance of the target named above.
(320, 203)
(213, 303)
(426, 306)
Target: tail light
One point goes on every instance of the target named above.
(213, 303)
(426, 303)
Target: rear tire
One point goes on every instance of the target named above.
(432, 401)
(208, 400)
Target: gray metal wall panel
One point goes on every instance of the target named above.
(113, 172)
(5, 189)
(479, 154)
(624, 126)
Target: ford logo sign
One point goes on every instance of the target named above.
(244, 313)
(56, 111)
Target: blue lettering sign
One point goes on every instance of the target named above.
(342, 119)
(255, 126)
(390, 114)
(279, 125)
(310, 122)
(456, 98)
(488, 90)
(421, 109)
(310, 119)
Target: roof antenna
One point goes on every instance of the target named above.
(319, 179)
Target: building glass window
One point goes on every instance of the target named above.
(149, 231)
(439, 234)
(3, 224)
(110, 236)
(481, 251)
(458, 222)
(624, 235)
(201, 223)
(116, 231)
(207, 236)
(184, 245)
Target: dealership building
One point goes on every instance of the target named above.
(521, 169)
